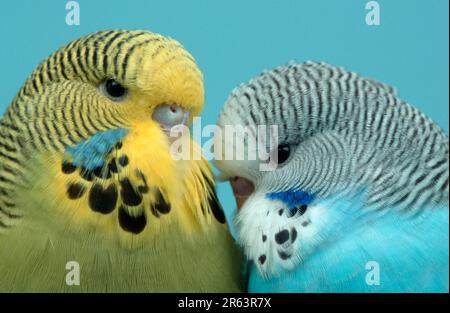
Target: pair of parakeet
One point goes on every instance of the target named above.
(357, 201)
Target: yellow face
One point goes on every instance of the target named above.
(109, 80)
(161, 84)
(136, 81)
(165, 79)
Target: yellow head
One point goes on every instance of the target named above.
(135, 81)
(124, 74)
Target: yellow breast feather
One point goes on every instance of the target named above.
(140, 193)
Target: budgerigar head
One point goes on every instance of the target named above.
(113, 79)
(337, 133)
(95, 117)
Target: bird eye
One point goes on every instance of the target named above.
(284, 151)
(170, 115)
(113, 90)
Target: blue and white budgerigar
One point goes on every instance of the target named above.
(88, 176)
(359, 199)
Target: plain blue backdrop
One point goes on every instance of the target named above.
(234, 40)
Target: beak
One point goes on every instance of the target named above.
(242, 189)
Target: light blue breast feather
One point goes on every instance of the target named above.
(91, 153)
(412, 253)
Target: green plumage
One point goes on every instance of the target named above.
(139, 220)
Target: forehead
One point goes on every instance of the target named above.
(119, 53)
(272, 98)
(134, 57)
(148, 61)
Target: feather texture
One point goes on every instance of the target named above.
(90, 178)
(366, 184)
(407, 254)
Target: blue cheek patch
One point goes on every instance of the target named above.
(292, 198)
(91, 153)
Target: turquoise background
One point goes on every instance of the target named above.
(234, 40)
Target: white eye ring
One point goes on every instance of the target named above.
(170, 115)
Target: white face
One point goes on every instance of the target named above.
(269, 228)
(251, 154)
(278, 221)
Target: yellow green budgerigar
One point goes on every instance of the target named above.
(87, 174)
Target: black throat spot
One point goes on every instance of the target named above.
(132, 224)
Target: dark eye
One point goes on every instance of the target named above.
(284, 151)
(113, 90)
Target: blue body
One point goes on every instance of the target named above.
(411, 253)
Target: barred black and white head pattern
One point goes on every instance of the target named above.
(345, 132)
